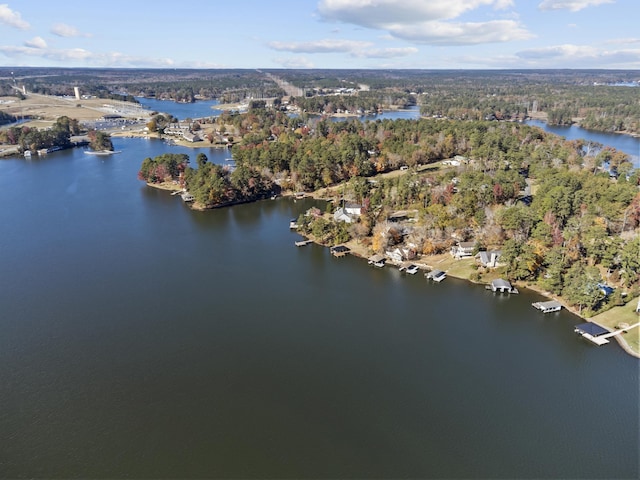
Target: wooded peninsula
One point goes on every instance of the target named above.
(563, 214)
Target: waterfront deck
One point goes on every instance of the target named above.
(302, 243)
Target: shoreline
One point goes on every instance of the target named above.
(425, 262)
(432, 261)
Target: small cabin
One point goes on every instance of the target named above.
(463, 250)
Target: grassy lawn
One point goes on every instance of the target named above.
(626, 314)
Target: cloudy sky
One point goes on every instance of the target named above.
(433, 34)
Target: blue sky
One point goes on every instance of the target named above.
(432, 34)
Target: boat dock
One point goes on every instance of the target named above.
(597, 334)
(436, 275)
(548, 307)
(339, 250)
(302, 243)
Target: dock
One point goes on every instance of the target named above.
(436, 275)
(339, 250)
(302, 243)
(597, 334)
(547, 307)
(377, 260)
(501, 286)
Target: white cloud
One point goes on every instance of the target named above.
(426, 22)
(579, 56)
(320, 46)
(374, 13)
(36, 42)
(64, 30)
(77, 56)
(354, 48)
(384, 52)
(11, 18)
(294, 62)
(622, 41)
(448, 33)
(572, 5)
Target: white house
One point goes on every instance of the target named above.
(340, 215)
(489, 258)
(463, 249)
(353, 209)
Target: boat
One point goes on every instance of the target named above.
(436, 275)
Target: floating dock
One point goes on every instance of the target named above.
(548, 307)
(302, 243)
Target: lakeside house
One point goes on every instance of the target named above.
(489, 259)
(463, 250)
(348, 213)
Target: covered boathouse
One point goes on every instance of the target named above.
(547, 307)
(502, 286)
(593, 332)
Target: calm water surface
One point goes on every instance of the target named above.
(199, 109)
(141, 339)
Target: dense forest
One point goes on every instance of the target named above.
(564, 213)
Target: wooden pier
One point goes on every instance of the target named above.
(597, 334)
(302, 243)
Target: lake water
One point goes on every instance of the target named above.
(141, 339)
(182, 111)
(625, 143)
